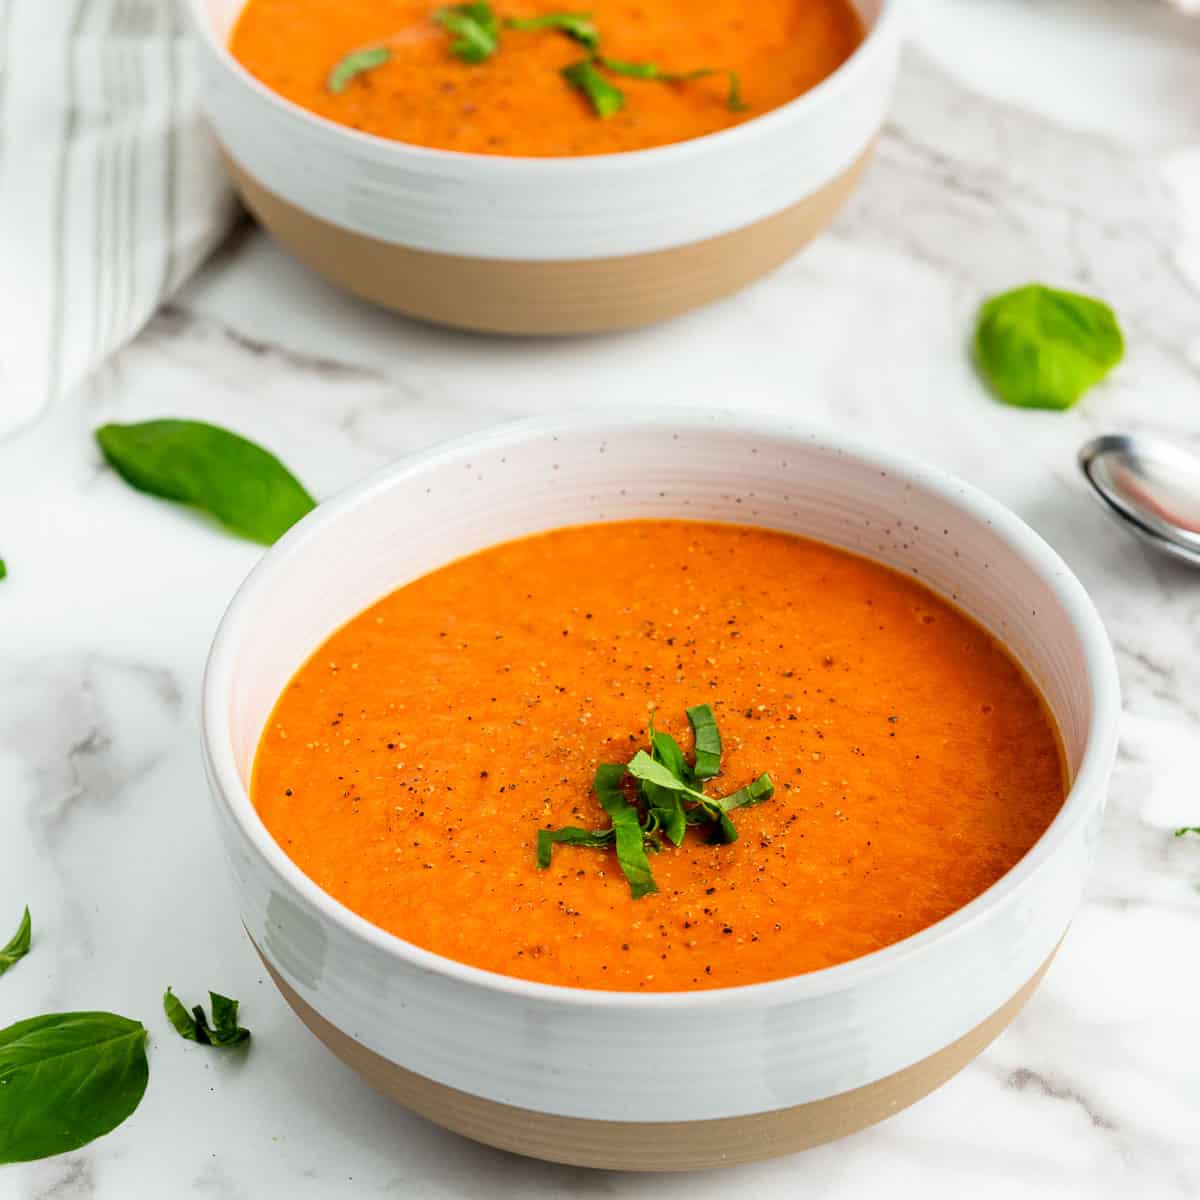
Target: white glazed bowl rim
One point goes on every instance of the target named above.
(828, 91)
(1090, 779)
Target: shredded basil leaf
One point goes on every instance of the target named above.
(348, 69)
(652, 71)
(194, 1026)
(666, 805)
(707, 749)
(1042, 348)
(753, 793)
(569, 835)
(575, 25)
(476, 30)
(627, 828)
(18, 945)
(606, 99)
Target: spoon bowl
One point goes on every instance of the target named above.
(1151, 486)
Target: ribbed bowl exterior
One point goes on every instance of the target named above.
(530, 210)
(573, 1052)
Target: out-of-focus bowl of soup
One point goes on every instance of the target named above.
(516, 208)
(390, 716)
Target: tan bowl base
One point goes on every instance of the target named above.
(594, 295)
(663, 1145)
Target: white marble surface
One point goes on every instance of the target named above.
(1051, 139)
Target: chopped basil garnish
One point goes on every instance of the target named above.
(475, 31)
(606, 99)
(575, 25)
(1042, 348)
(475, 28)
(627, 829)
(649, 70)
(669, 797)
(708, 741)
(570, 835)
(224, 1031)
(18, 945)
(66, 1078)
(346, 70)
(247, 489)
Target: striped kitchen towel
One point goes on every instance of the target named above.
(110, 191)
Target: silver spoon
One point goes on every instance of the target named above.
(1152, 486)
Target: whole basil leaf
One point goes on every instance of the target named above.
(247, 489)
(1186, 830)
(67, 1078)
(3, 569)
(1043, 348)
(354, 64)
(18, 945)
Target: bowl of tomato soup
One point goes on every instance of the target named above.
(659, 790)
(518, 174)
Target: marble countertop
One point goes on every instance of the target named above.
(1030, 139)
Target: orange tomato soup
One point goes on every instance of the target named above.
(516, 102)
(410, 763)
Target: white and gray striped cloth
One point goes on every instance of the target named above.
(110, 192)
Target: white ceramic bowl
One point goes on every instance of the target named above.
(732, 1073)
(562, 245)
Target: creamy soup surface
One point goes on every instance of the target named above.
(410, 763)
(516, 102)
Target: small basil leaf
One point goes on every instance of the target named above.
(606, 100)
(476, 30)
(1042, 348)
(569, 835)
(575, 25)
(247, 489)
(226, 1030)
(348, 69)
(18, 945)
(185, 1024)
(1187, 829)
(67, 1078)
(627, 829)
(3, 569)
(707, 737)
